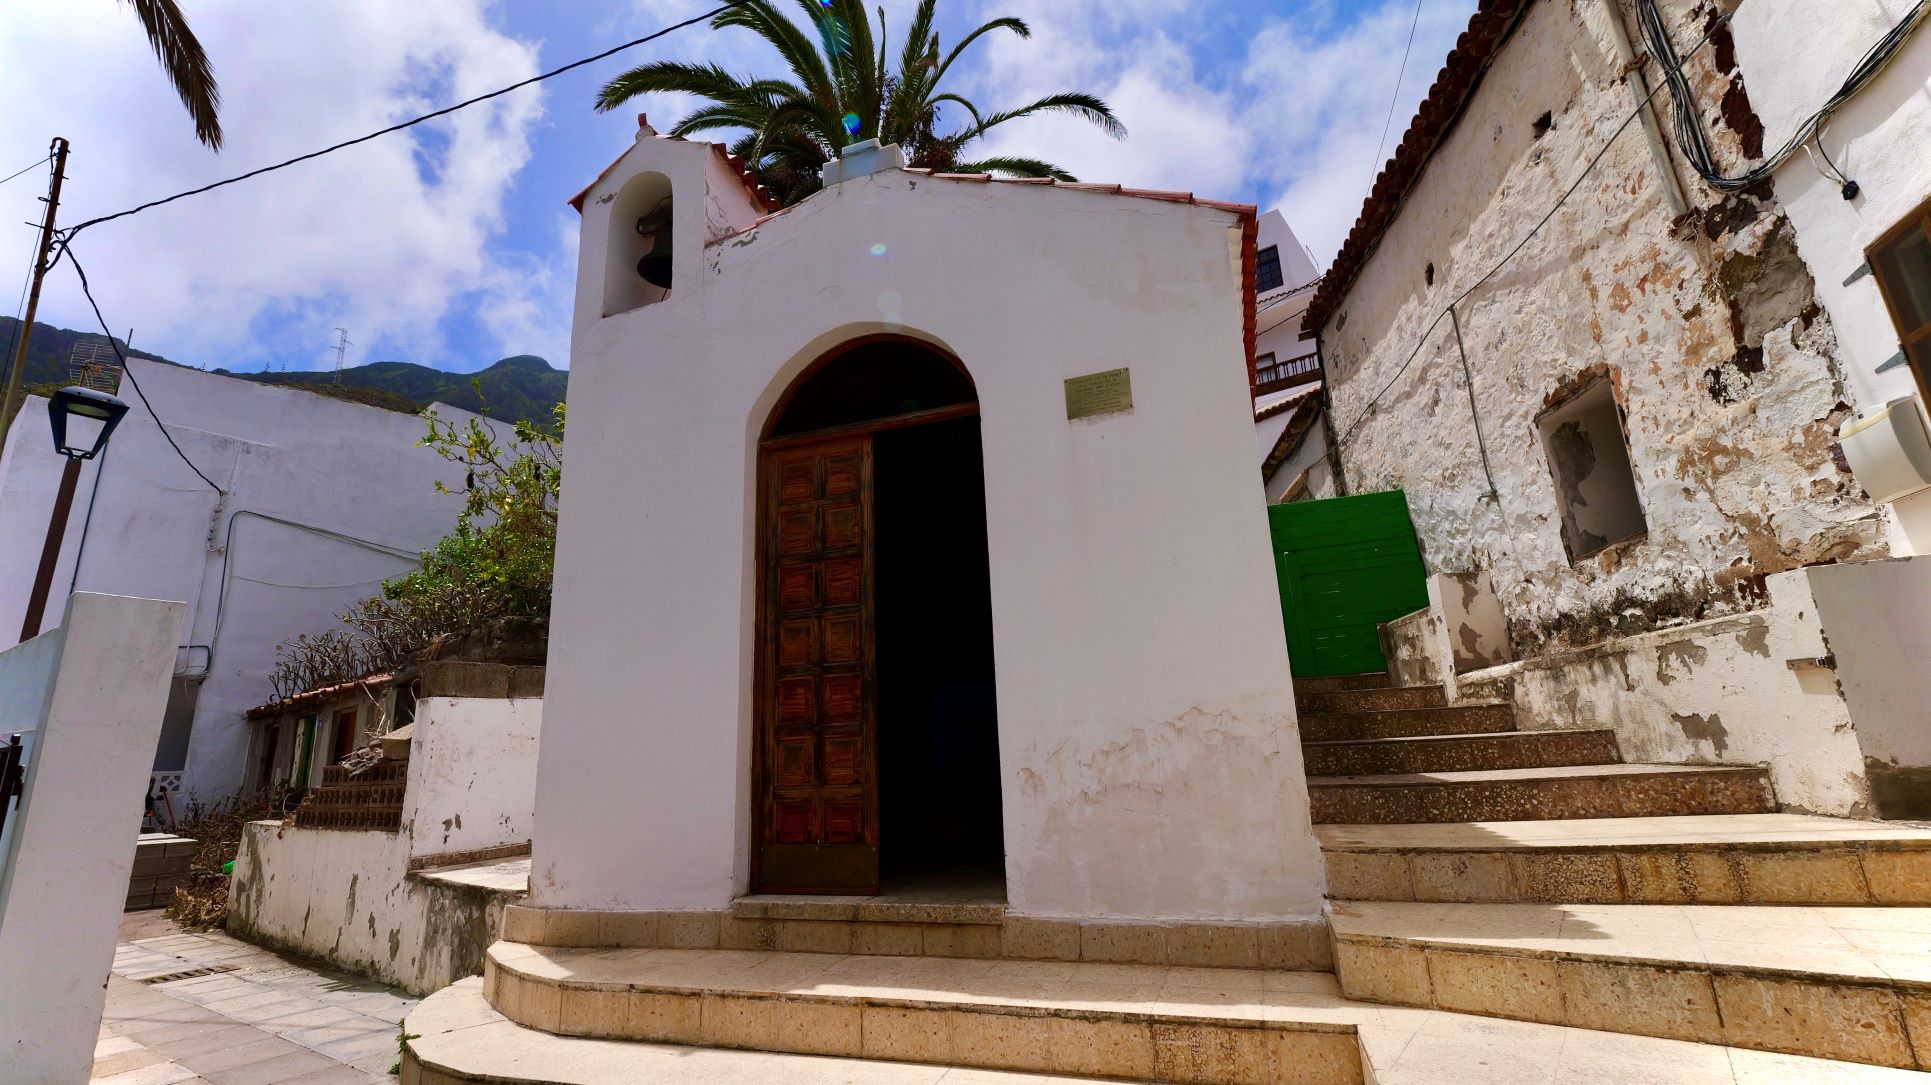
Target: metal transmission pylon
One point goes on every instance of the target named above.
(342, 345)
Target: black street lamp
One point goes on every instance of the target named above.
(82, 420)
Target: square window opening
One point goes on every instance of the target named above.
(1595, 483)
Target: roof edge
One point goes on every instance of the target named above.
(1455, 87)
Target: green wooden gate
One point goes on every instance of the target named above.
(1346, 565)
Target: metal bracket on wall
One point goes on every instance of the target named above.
(1819, 663)
(1891, 363)
(1862, 270)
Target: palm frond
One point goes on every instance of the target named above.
(671, 76)
(186, 64)
(714, 118)
(1077, 103)
(978, 123)
(1015, 166)
(791, 42)
(1017, 26)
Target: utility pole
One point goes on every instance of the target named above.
(10, 406)
(341, 351)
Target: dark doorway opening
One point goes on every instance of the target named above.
(877, 760)
(938, 731)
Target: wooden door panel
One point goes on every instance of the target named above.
(817, 769)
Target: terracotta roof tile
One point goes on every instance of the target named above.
(1461, 75)
(315, 696)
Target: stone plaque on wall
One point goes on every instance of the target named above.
(1099, 393)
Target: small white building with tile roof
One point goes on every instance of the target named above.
(912, 544)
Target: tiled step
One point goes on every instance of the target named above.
(1716, 859)
(1595, 791)
(1138, 1022)
(455, 1038)
(1384, 699)
(1836, 983)
(1451, 753)
(1340, 682)
(1475, 719)
(898, 926)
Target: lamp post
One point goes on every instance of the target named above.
(82, 420)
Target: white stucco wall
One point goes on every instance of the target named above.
(347, 898)
(1876, 619)
(96, 686)
(472, 773)
(1147, 744)
(1795, 54)
(159, 531)
(350, 898)
(1297, 267)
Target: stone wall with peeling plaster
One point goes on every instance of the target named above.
(1724, 366)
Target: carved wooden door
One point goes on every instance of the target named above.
(817, 768)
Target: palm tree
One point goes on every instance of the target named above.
(181, 56)
(841, 91)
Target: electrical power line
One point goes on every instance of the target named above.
(23, 169)
(443, 112)
(66, 247)
(1399, 77)
(1689, 125)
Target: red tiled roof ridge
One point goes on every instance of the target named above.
(1293, 396)
(1461, 76)
(319, 693)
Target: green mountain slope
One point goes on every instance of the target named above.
(523, 387)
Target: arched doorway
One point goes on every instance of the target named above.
(877, 741)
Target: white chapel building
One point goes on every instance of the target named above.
(912, 546)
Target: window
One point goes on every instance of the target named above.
(1267, 270)
(1589, 460)
(1901, 260)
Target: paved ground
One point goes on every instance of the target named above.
(262, 1019)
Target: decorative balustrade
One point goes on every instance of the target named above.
(370, 801)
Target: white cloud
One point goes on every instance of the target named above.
(1321, 94)
(382, 238)
(1295, 113)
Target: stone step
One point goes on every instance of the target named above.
(1835, 983)
(1449, 753)
(1383, 699)
(903, 926)
(1338, 682)
(1711, 859)
(1471, 719)
(1593, 791)
(1137, 1022)
(456, 1038)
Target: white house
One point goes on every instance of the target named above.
(760, 681)
(1288, 401)
(321, 500)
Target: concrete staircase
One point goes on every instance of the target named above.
(1509, 906)
(1530, 875)
(1402, 755)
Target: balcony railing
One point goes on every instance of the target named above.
(1272, 376)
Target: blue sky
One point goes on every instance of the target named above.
(451, 245)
